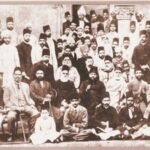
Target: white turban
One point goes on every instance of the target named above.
(81, 11)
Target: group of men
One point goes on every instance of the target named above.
(95, 86)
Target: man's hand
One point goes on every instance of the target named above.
(88, 87)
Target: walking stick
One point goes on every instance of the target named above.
(23, 130)
(50, 109)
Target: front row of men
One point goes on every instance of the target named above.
(54, 121)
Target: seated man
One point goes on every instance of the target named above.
(40, 89)
(75, 120)
(17, 99)
(106, 119)
(140, 89)
(130, 116)
(91, 92)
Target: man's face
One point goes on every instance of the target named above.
(143, 38)
(126, 67)
(93, 45)
(132, 28)
(81, 16)
(118, 54)
(87, 29)
(10, 26)
(108, 65)
(42, 42)
(100, 33)
(17, 76)
(66, 61)
(39, 75)
(138, 74)
(7, 39)
(67, 51)
(101, 54)
(112, 27)
(67, 31)
(147, 27)
(93, 75)
(48, 33)
(75, 103)
(130, 101)
(87, 42)
(126, 44)
(64, 76)
(118, 74)
(68, 18)
(105, 16)
(115, 44)
(26, 37)
(60, 46)
(85, 52)
(80, 32)
(106, 102)
(94, 17)
(73, 26)
(89, 62)
(45, 58)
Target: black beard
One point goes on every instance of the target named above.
(48, 35)
(27, 40)
(87, 32)
(39, 78)
(10, 29)
(93, 80)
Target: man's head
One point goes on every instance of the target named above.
(66, 60)
(74, 99)
(26, 35)
(81, 13)
(6, 36)
(39, 73)
(105, 14)
(130, 99)
(118, 73)
(106, 100)
(115, 42)
(138, 73)
(113, 26)
(125, 66)
(87, 29)
(80, 31)
(89, 61)
(126, 42)
(101, 52)
(118, 52)
(64, 73)
(84, 50)
(67, 31)
(108, 63)
(42, 40)
(87, 41)
(47, 31)
(132, 26)
(17, 74)
(100, 29)
(10, 23)
(93, 44)
(46, 55)
(67, 16)
(60, 44)
(93, 74)
(139, 16)
(73, 25)
(143, 37)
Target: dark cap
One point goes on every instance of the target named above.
(100, 27)
(42, 36)
(106, 94)
(45, 28)
(109, 58)
(46, 51)
(26, 30)
(93, 70)
(9, 19)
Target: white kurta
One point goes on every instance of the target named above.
(9, 59)
(44, 130)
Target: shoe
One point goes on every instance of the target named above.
(10, 139)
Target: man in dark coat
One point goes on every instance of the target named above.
(68, 20)
(24, 51)
(91, 92)
(47, 67)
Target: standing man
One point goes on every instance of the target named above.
(52, 46)
(10, 28)
(17, 99)
(9, 58)
(24, 50)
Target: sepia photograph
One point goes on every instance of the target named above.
(74, 75)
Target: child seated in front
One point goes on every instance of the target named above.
(45, 129)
